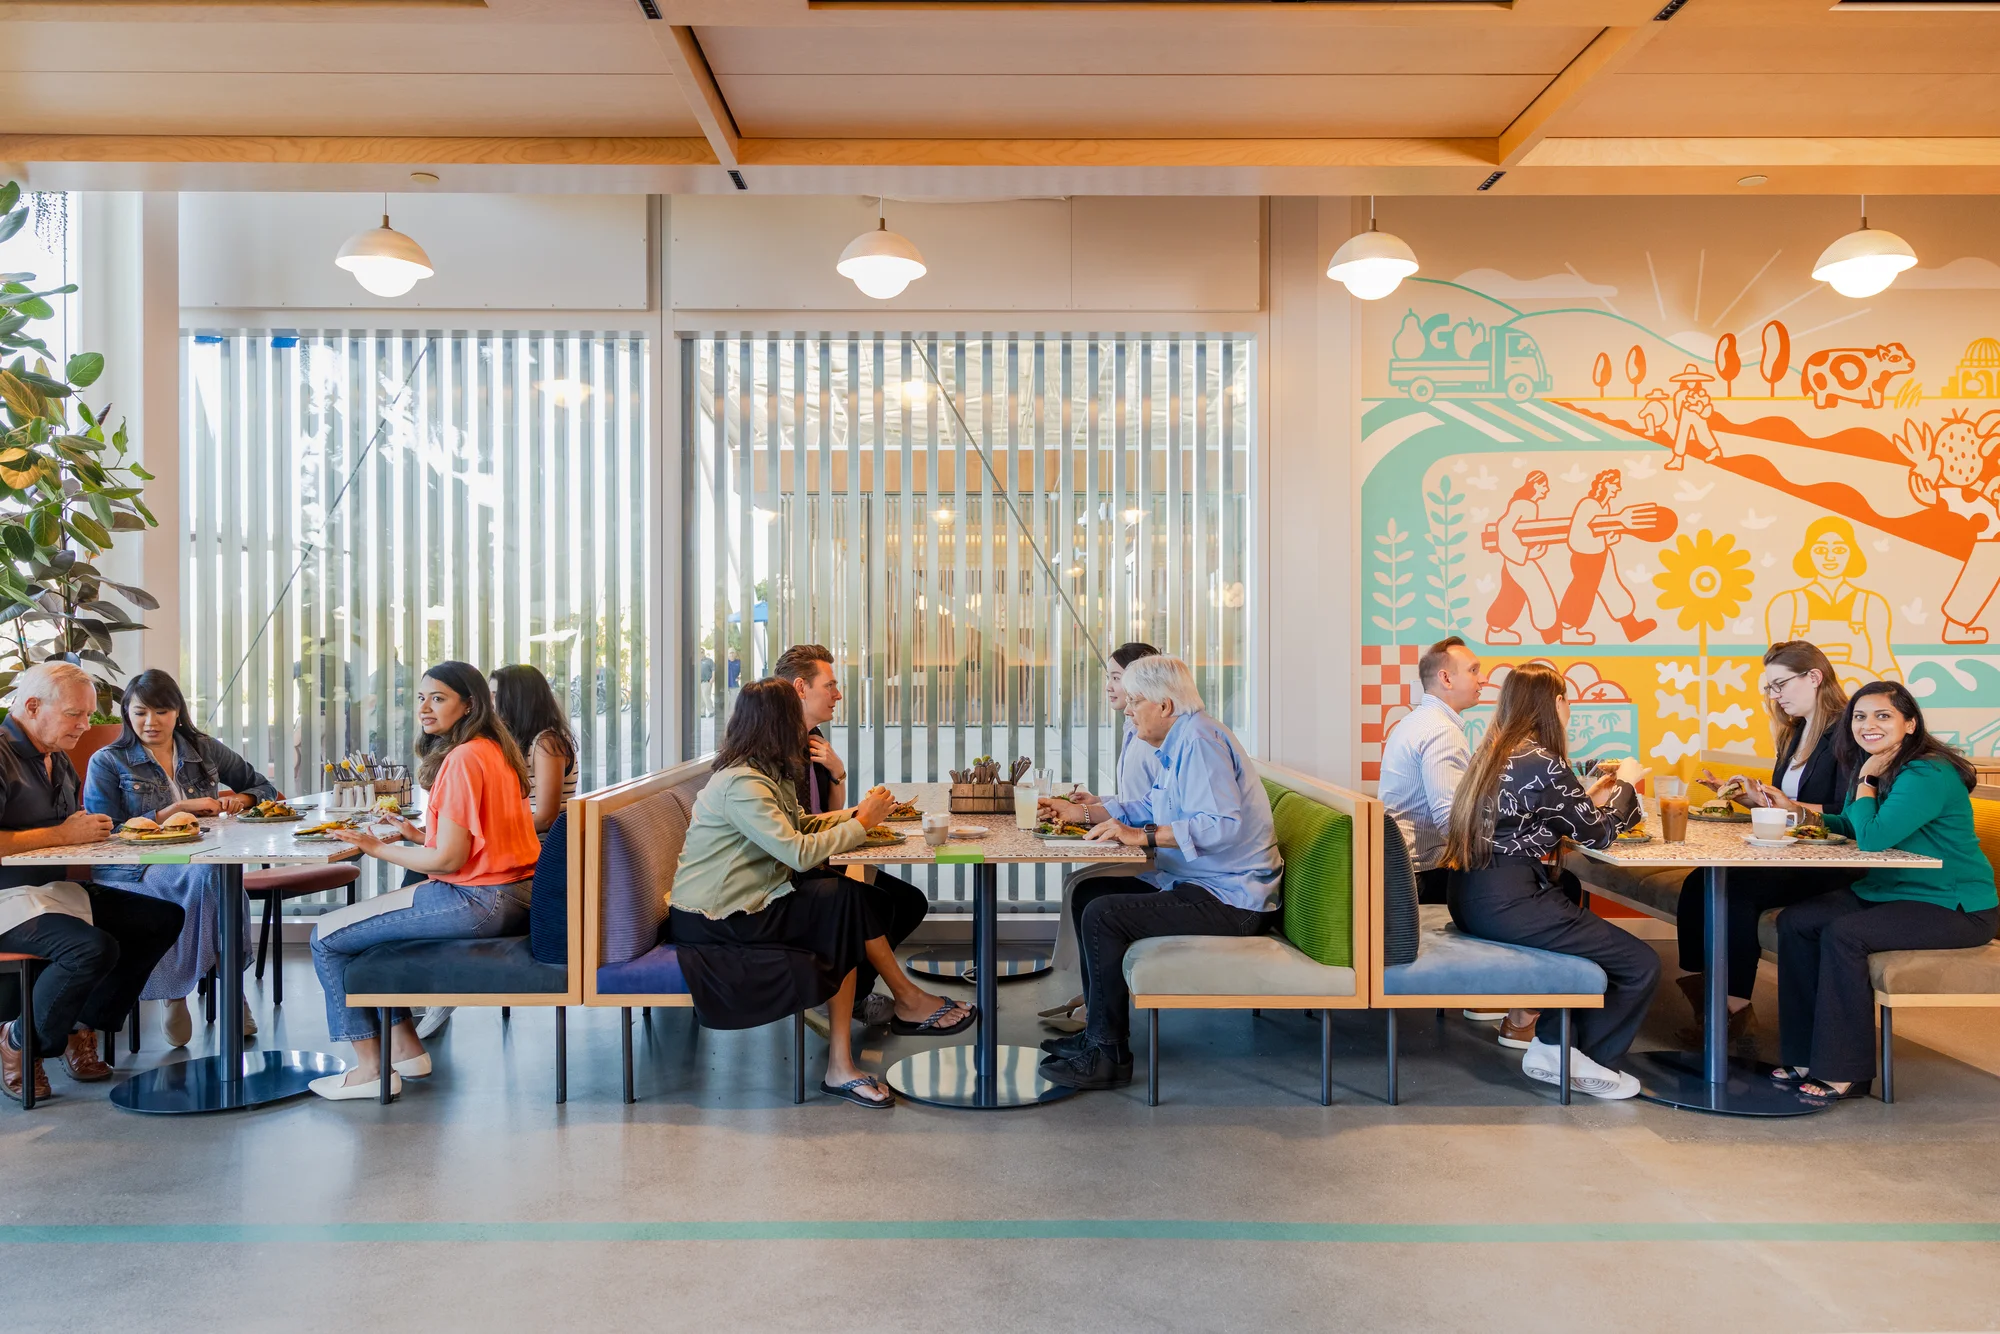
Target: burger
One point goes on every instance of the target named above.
(140, 824)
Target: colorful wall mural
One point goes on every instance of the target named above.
(1646, 458)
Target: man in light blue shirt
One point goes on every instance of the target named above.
(1426, 756)
(1216, 864)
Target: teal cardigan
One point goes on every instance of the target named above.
(1927, 812)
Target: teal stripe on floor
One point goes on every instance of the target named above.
(945, 1229)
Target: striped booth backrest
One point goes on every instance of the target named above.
(641, 848)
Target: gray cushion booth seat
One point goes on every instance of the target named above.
(499, 966)
(1230, 966)
(1451, 963)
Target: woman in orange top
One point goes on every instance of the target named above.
(479, 853)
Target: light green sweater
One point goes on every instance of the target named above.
(1927, 812)
(747, 837)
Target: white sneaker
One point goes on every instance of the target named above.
(432, 1019)
(1542, 1062)
(875, 1010)
(1485, 1016)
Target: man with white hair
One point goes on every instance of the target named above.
(100, 943)
(1216, 864)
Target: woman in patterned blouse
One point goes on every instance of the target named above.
(1517, 805)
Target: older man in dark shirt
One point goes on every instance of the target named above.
(100, 943)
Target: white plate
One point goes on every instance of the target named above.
(969, 831)
(1784, 842)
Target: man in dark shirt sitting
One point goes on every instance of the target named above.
(100, 943)
(900, 904)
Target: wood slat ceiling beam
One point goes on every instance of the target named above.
(697, 82)
(1609, 50)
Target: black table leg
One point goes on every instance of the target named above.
(227, 1082)
(985, 1075)
(1708, 1080)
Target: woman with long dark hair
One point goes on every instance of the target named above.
(162, 765)
(1518, 804)
(1913, 792)
(478, 849)
(1808, 712)
(528, 707)
(741, 886)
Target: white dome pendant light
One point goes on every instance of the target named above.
(383, 260)
(1865, 262)
(881, 263)
(1373, 263)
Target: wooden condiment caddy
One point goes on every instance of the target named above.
(982, 798)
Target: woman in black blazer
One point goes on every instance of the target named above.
(1808, 709)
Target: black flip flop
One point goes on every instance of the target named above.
(848, 1093)
(930, 1028)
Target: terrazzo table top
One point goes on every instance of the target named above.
(1004, 842)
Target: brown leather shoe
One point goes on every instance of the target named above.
(11, 1060)
(1519, 1038)
(1694, 986)
(80, 1058)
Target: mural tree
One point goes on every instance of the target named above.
(1446, 509)
(1635, 367)
(1777, 354)
(1728, 365)
(1600, 373)
(1388, 550)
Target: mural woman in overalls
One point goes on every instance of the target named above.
(1849, 623)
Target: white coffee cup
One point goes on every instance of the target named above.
(937, 828)
(1768, 822)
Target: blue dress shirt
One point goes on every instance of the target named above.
(1138, 764)
(1208, 792)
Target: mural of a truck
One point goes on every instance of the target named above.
(1465, 360)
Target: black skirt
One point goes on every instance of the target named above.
(754, 968)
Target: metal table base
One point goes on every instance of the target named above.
(949, 964)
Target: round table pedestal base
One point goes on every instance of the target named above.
(955, 965)
(1675, 1079)
(197, 1085)
(946, 1077)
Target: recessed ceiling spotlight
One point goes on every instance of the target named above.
(423, 178)
(1752, 180)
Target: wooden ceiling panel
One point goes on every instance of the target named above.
(1847, 45)
(1068, 44)
(1027, 106)
(1810, 105)
(344, 104)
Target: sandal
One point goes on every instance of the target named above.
(931, 1028)
(1788, 1075)
(1820, 1093)
(851, 1092)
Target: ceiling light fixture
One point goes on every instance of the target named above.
(383, 260)
(1752, 180)
(1865, 262)
(881, 263)
(1373, 263)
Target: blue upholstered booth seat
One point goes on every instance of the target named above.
(499, 966)
(657, 972)
(1451, 963)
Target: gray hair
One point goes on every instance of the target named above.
(1163, 679)
(47, 681)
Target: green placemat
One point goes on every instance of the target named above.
(169, 858)
(952, 852)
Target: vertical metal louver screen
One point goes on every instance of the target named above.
(495, 510)
(831, 497)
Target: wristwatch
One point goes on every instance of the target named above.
(1152, 836)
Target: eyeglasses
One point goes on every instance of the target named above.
(1772, 689)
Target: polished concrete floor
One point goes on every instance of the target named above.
(475, 1203)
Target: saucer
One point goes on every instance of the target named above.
(1782, 841)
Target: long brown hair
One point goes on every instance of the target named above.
(1829, 708)
(1918, 745)
(479, 720)
(767, 731)
(1527, 716)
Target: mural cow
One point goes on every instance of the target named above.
(1857, 374)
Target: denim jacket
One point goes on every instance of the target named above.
(126, 781)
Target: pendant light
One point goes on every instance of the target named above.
(383, 260)
(1865, 262)
(1373, 263)
(881, 263)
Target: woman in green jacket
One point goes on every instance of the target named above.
(757, 934)
(1911, 792)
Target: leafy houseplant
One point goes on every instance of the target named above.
(65, 488)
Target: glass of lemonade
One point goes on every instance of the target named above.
(1025, 796)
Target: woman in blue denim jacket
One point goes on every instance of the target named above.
(129, 778)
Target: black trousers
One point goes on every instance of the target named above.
(1113, 922)
(94, 971)
(1826, 1004)
(1516, 902)
(1752, 893)
(1434, 886)
(1088, 891)
(895, 909)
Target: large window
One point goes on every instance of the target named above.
(831, 497)
(359, 505)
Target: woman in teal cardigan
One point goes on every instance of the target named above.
(1911, 792)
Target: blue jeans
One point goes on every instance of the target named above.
(429, 910)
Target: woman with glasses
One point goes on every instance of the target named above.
(1807, 709)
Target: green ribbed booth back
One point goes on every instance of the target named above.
(1317, 843)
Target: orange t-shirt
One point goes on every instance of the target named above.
(479, 791)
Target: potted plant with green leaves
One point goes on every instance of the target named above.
(67, 485)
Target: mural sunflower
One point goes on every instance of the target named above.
(1707, 578)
